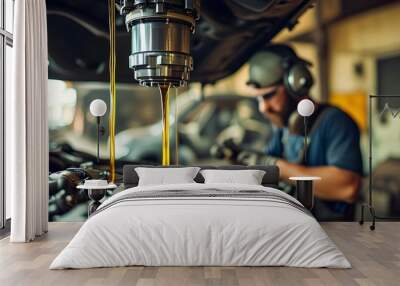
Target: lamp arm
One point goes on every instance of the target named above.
(305, 140)
(98, 138)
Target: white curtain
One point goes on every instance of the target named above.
(26, 123)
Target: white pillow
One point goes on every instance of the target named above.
(248, 177)
(164, 176)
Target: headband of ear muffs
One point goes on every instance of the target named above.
(297, 78)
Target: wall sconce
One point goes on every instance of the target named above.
(98, 108)
(305, 108)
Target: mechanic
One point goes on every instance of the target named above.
(280, 79)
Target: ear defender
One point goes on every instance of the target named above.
(297, 78)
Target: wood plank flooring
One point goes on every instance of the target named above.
(375, 257)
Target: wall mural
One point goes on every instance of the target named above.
(218, 124)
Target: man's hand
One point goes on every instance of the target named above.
(337, 184)
(227, 150)
(231, 151)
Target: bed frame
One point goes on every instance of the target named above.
(270, 179)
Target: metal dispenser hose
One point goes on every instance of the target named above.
(160, 31)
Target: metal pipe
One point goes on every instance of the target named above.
(80, 20)
(160, 46)
(305, 140)
(98, 139)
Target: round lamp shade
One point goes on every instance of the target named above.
(305, 107)
(98, 107)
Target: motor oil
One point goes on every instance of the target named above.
(164, 92)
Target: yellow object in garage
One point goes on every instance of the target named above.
(353, 103)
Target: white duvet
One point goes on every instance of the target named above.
(190, 231)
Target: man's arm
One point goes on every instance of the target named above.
(336, 184)
(341, 175)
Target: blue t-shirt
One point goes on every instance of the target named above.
(335, 142)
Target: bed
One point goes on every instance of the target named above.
(198, 224)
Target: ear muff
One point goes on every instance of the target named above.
(297, 78)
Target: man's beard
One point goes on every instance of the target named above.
(289, 109)
(281, 119)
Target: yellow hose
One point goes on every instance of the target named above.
(176, 128)
(112, 63)
(164, 91)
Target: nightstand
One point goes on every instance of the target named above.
(305, 190)
(96, 194)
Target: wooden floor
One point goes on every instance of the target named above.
(375, 257)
